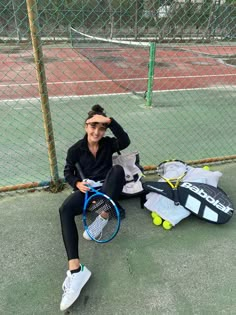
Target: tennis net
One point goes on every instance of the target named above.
(123, 63)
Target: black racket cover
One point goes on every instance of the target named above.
(205, 201)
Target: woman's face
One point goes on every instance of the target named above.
(95, 131)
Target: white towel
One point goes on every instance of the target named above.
(165, 208)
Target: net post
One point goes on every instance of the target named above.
(151, 67)
(70, 34)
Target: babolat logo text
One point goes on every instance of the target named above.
(204, 195)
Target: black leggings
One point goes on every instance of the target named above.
(73, 206)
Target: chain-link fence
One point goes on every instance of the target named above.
(164, 69)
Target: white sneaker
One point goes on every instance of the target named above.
(72, 286)
(95, 228)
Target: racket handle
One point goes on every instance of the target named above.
(176, 196)
(79, 169)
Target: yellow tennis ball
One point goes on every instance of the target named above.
(206, 168)
(154, 214)
(167, 225)
(157, 220)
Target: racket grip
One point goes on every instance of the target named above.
(176, 196)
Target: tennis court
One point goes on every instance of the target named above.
(88, 70)
(189, 269)
(193, 93)
(191, 83)
(157, 140)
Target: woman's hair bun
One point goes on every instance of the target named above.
(98, 109)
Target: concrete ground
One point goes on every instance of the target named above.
(189, 269)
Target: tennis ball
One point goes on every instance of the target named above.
(206, 168)
(157, 220)
(154, 214)
(167, 225)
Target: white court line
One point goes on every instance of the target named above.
(120, 80)
(37, 99)
(62, 97)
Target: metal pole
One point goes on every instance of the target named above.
(83, 13)
(151, 67)
(16, 21)
(42, 85)
(136, 20)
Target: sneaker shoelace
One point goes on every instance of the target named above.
(66, 284)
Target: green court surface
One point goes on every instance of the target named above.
(188, 125)
(189, 269)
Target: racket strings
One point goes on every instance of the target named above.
(101, 218)
(99, 205)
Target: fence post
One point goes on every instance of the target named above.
(42, 85)
(151, 67)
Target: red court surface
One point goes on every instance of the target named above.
(89, 71)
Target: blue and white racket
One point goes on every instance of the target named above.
(101, 217)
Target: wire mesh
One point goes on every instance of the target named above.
(123, 62)
(193, 111)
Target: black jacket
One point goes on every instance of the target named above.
(94, 168)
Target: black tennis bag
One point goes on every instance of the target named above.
(205, 201)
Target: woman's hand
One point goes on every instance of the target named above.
(82, 187)
(99, 119)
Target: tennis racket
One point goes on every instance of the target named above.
(173, 182)
(101, 217)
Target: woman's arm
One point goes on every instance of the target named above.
(70, 172)
(122, 140)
